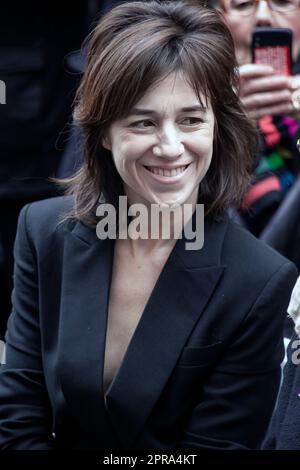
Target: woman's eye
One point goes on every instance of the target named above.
(191, 121)
(144, 124)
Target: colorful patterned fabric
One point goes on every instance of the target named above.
(277, 166)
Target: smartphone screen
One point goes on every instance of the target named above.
(273, 46)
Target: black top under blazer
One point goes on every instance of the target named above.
(202, 369)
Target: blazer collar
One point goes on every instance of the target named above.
(175, 306)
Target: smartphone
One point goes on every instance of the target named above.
(273, 46)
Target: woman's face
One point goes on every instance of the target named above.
(241, 27)
(163, 148)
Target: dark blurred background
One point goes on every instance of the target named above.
(40, 65)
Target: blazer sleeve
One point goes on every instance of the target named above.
(238, 397)
(25, 411)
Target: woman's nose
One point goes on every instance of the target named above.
(169, 144)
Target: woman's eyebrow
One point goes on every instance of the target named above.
(193, 109)
(141, 111)
(186, 109)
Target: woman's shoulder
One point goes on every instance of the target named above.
(248, 251)
(42, 218)
(53, 206)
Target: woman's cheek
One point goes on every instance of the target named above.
(202, 146)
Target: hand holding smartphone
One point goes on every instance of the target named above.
(273, 46)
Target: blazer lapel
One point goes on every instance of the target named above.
(184, 288)
(85, 290)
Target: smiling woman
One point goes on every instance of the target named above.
(142, 343)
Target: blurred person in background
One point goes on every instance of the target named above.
(268, 99)
(271, 207)
(284, 429)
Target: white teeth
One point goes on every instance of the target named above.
(164, 172)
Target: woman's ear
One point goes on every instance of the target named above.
(106, 142)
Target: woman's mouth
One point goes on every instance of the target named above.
(167, 174)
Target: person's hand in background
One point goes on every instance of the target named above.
(265, 93)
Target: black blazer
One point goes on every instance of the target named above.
(202, 369)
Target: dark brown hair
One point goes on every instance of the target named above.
(132, 47)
